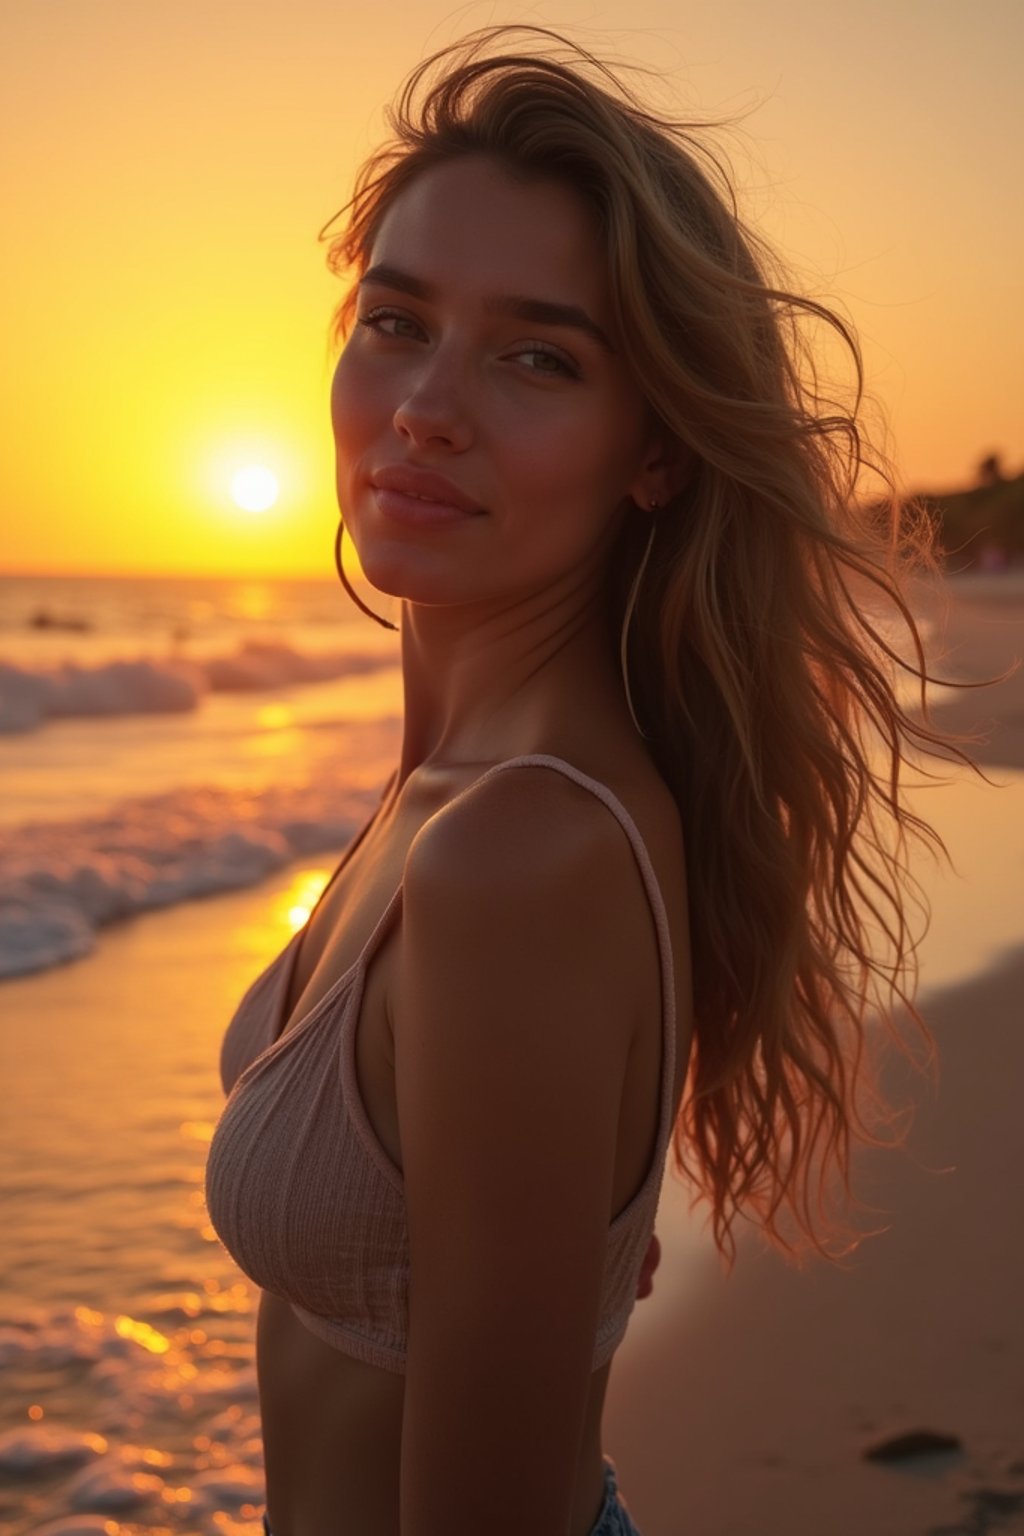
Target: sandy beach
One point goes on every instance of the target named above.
(738, 1406)
(749, 1406)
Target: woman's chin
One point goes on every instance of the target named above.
(402, 577)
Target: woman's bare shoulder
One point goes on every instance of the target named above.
(529, 823)
(525, 883)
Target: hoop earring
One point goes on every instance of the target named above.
(630, 605)
(339, 567)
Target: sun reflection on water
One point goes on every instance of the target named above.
(141, 1333)
(274, 717)
(300, 896)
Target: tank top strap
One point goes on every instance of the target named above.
(657, 904)
(651, 886)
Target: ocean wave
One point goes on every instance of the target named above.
(121, 1463)
(60, 882)
(29, 697)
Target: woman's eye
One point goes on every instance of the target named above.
(375, 318)
(386, 322)
(550, 362)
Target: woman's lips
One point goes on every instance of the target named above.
(399, 507)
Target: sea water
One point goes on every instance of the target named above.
(160, 740)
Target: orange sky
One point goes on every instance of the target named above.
(166, 168)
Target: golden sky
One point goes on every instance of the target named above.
(165, 168)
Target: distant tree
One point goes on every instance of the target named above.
(990, 471)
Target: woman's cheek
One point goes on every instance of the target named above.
(344, 398)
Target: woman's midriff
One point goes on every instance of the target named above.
(332, 1434)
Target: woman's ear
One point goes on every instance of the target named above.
(666, 470)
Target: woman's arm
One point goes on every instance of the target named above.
(513, 1013)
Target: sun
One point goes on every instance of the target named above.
(254, 488)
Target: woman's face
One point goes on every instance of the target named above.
(484, 353)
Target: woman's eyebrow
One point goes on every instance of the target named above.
(519, 306)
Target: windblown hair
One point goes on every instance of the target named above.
(763, 677)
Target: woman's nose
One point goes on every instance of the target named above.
(435, 408)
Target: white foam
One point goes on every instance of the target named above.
(126, 1386)
(60, 882)
(30, 696)
(32, 1447)
(111, 1485)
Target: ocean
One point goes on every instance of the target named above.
(164, 743)
(164, 739)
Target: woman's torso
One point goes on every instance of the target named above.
(331, 1423)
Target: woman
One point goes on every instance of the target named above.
(621, 848)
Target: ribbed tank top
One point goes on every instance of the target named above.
(301, 1192)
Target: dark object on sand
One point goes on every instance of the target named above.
(914, 1442)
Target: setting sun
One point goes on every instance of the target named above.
(254, 489)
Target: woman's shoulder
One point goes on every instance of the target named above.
(520, 821)
(513, 893)
(533, 852)
(535, 813)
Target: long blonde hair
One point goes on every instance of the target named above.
(757, 669)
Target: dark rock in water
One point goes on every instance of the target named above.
(43, 619)
(914, 1442)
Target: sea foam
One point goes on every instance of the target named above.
(30, 696)
(60, 882)
(126, 1458)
